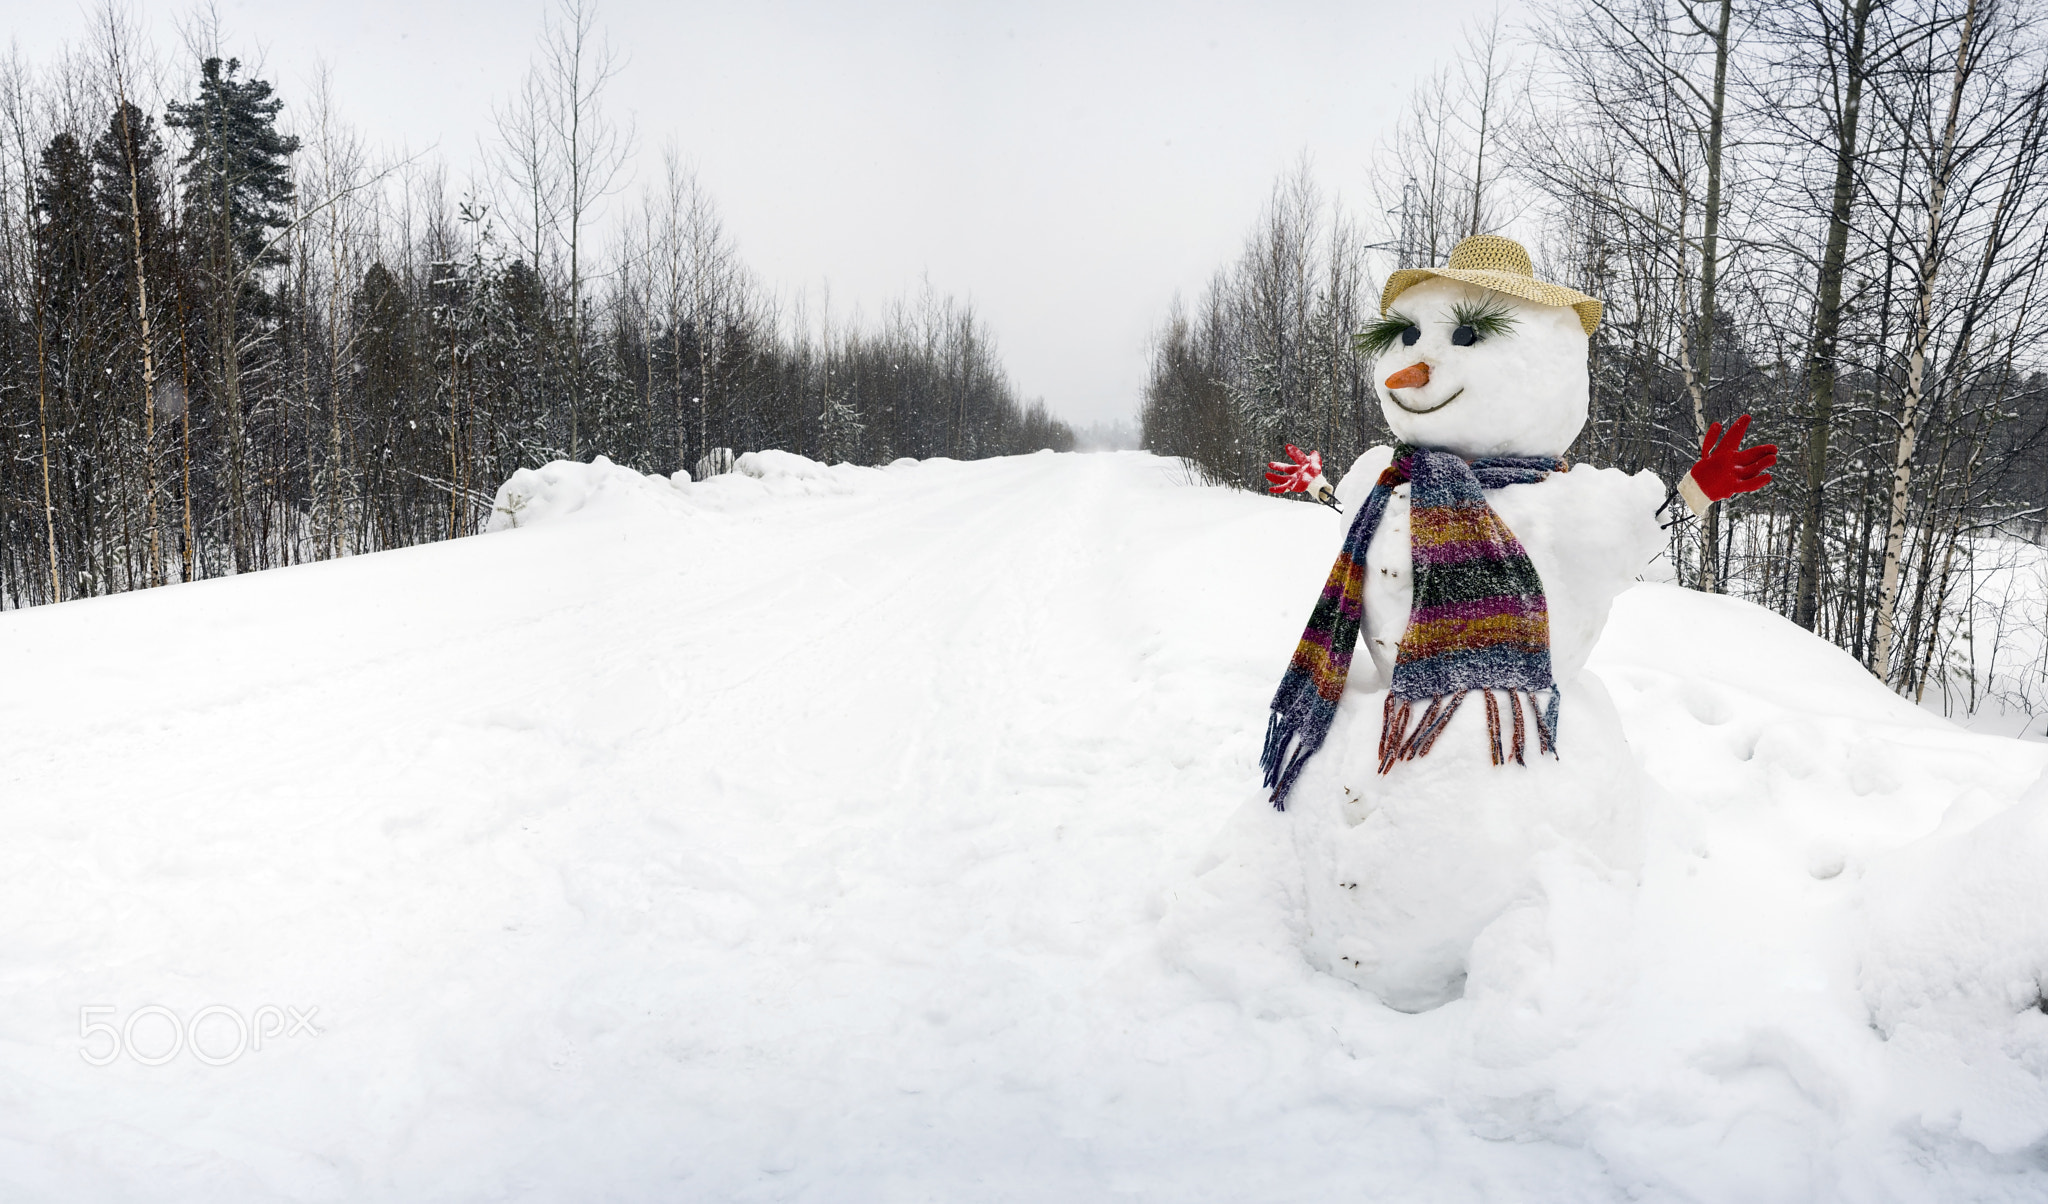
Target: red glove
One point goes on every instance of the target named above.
(1305, 475)
(1726, 468)
(1295, 477)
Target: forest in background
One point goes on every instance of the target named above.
(233, 335)
(1828, 213)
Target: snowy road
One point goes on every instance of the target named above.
(837, 838)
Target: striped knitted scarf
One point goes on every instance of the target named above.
(1478, 621)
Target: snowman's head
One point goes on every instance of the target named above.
(1462, 366)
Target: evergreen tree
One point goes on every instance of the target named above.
(76, 263)
(237, 186)
(131, 138)
(237, 170)
(110, 162)
(69, 241)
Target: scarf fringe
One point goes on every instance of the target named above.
(1405, 738)
(1281, 765)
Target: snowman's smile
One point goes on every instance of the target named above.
(1425, 409)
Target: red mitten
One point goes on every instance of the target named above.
(1726, 468)
(1295, 477)
(1305, 475)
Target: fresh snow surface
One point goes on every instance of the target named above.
(842, 834)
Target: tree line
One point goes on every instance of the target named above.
(233, 337)
(1828, 213)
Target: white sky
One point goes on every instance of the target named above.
(1068, 166)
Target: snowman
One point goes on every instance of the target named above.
(1428, 781)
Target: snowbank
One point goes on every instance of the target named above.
(906, 843)
(539, 496)
(532, 497)
(1954, 971)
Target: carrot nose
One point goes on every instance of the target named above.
(1413, 376)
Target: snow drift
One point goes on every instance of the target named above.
(534, 496)
(836, 833)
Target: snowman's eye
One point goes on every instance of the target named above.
(1374, 340)
(1485, 320)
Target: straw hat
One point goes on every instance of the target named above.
(1490, 261)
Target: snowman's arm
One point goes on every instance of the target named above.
(1645, 522)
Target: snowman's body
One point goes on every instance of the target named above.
(1403, 870)
(1589, 532)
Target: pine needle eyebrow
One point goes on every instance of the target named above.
(1373, 341)
(1487, 319)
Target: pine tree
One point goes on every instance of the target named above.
(128, 203)
(237, 170)
(110, 163)
(237, 188)
(75, 263)
(69, 242)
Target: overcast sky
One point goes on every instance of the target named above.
(1067, 166)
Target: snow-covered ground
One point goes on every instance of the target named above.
(894, 834)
